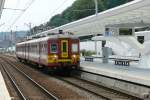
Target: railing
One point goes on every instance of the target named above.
(124, 61)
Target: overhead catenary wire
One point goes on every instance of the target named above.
(24, 10)
(14, 9)
(18, 1)
(57, 8)
(19, 16)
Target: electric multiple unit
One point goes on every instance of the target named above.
(55, 51)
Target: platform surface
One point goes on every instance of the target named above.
(130, 73)
(4, 94)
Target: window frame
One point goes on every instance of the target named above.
(64, 47)
(56, 51)
(77, 50)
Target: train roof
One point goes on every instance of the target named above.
(47, 38)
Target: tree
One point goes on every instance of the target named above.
(81, 9)
(113, 3)
(57, 20)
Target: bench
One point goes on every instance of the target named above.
(123, 62)
(89, 59)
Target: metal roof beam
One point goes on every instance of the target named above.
(1, 6)
(129, 25)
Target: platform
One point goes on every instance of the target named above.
(133, 79)
(130, 73)
(4, 94)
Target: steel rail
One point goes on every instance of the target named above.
(90, 91)
(37, 84)
(14, 84)
(80, 87)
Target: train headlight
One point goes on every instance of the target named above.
(55, 56)
(74, 56)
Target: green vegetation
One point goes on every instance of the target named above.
(78, 10)
(57, 20)
(87, 53)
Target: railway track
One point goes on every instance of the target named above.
(36, 91)
(103, 92)
(100, 91)
(47, 82)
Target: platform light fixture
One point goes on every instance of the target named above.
(96, 7)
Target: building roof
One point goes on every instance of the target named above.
(1, 6)
(132, 14)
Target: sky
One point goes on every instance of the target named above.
(40, 11)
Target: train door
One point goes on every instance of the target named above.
(39, 52)
(24, 51)
(64, 48)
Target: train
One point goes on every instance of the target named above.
(60, 51)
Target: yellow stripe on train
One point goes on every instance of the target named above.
(54, 59)
(59, 60)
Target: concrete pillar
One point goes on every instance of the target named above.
(96, 48)
(105, 52)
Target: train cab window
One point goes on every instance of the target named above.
(74, 47)
(64, 47)
(53, 48)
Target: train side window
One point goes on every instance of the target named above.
(35, 48)
(53, 48)
(31, 48)
(45, 46)
(74, 47)
(43, 49)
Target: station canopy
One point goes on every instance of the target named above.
(1, 6)
(132, 14)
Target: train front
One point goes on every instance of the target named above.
(64, 53)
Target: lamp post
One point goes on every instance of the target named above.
(96, 12)
(29, 26)
(96, 7)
